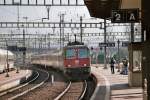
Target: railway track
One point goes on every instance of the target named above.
(14, 93)
(28, 81)
(91, 84)
(74, 91)
(49, 90)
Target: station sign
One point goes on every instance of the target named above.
(12, 48)
(125, 16)
(125, 44)
(110, 44)
(102, 44)
(22, 49)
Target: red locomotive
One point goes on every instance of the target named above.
(73, 60)
(77, 60)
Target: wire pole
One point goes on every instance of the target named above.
(49, 45)
(18, 14)
(24, 48)
(105, 63)
(45, 46)
(17, 58)
(81, 27)
(48, 9)
(60, 32)
(118, 54)
(68, 37)
(63, 28)
(24, 44)
(26, 18)
(7, 65)
(18, 17)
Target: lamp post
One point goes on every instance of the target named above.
(7, 65)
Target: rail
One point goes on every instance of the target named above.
(65, 91)
(24, 89)
(25, 92)
(20, 86)
(73, 88)
(83, 93)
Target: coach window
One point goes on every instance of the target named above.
(70, 53)
(83, 53)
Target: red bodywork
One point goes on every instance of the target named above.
(77, 62)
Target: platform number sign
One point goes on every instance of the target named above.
(110, 44)
(125, 16)
(117, 16)
(133, 15)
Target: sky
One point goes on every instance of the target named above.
(35, 14)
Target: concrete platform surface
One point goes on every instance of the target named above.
(14, 78)
(116, 85)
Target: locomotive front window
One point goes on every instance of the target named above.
(70, 53)
(83, 53)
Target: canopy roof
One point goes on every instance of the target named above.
(102, 8)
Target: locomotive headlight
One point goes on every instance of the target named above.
(69, 65)
(85, 65)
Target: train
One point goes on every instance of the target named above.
(73, 60)
(6, 55)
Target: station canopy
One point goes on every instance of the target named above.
(103, 8)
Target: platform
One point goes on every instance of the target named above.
(114, 86)
(14, 79)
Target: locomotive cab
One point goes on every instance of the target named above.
(77, 60)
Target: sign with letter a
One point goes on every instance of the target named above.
(133, 15)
